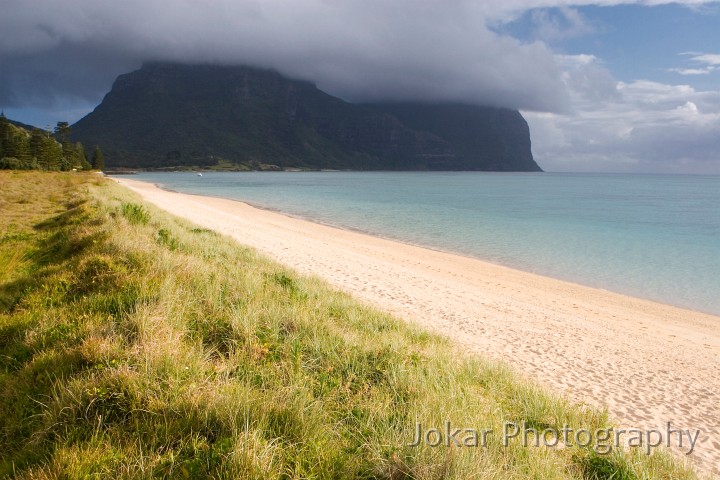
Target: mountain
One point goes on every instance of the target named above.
(167, 115)
(482, 138)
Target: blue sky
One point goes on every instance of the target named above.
(605, 85)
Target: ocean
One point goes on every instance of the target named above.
(650, 236)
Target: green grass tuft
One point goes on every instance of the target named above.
(165, 238)
(604, 467)
(136, 214)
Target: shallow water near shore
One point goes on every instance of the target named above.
(650, 236)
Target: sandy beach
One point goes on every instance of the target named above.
(648, 363)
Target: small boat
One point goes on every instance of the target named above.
(199, 174)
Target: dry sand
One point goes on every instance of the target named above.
(648, 363)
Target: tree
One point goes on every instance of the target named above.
(45, 150)
(98, 160)
(37, 139)
(4, 134)
(81, 157)
(69, 160)
(51, 155)
(17, 145)
(62, 130)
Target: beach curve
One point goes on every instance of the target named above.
(648, 363)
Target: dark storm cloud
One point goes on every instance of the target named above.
(357, 49)
(77, 71)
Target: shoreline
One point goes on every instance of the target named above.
(528, 268)
(648, 363)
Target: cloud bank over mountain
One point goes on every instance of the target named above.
(358, 50)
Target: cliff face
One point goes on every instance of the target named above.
(480, 138)
(171, 115)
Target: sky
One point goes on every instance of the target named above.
(605, 85)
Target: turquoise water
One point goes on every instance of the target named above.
(650, 236)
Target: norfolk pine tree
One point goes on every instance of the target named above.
(98, 160)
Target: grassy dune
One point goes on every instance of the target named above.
(135, 344)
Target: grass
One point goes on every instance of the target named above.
(135, 344)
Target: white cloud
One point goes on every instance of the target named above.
(709, 62)
(562, 24)
(711, 59)
(628, 126)
(691, 71)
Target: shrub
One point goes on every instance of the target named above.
(136, 214)
(166, 239)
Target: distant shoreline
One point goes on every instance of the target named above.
(600, 347)
(563, 274)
